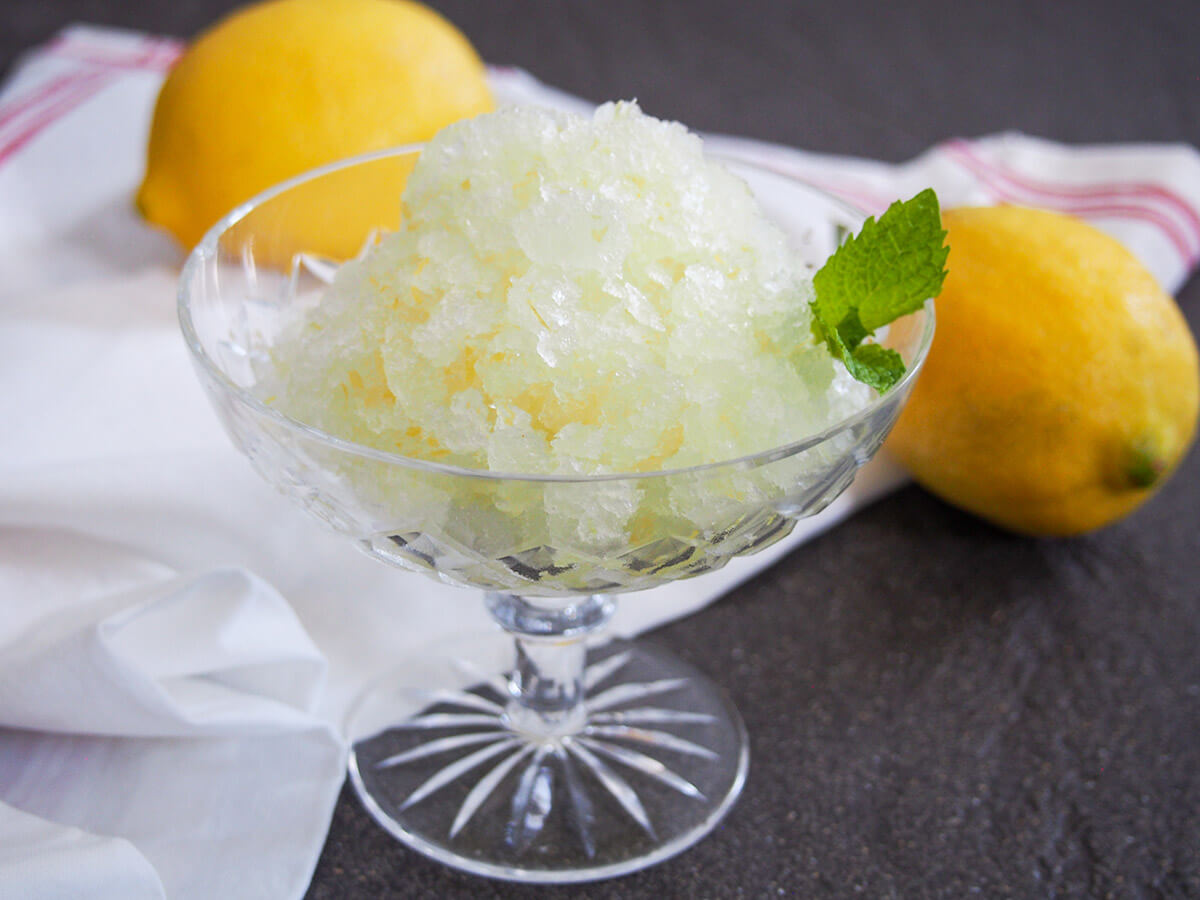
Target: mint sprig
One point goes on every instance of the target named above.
(887, 271)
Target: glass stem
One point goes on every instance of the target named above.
(546, 686)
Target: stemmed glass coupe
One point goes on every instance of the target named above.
(561, 758)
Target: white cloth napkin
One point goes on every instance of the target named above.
(187, 698)
(162, 723)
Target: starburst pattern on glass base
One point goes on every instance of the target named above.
(462, 776)
(583, 749)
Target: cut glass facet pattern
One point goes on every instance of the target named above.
(462, 770)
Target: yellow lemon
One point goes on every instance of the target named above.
(284, 86)
(1062, 385)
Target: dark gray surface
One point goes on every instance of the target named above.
(936, 709)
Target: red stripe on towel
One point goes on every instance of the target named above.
(30, 114)
(153, 54)
(1146, 190)
(43, 93)
(85, 86)
(1122, 201)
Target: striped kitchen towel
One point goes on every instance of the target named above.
(75, 113)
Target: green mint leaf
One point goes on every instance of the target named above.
(887, 271)
(871, 364)
(850, 331)
(880, 367)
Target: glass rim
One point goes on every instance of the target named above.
(208, 248)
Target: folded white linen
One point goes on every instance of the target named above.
(162, 719)
(42, 860)
(169, 717)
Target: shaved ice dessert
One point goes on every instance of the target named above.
(570, 297)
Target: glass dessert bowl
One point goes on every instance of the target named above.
(562, 758)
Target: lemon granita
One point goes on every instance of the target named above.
(569, 296)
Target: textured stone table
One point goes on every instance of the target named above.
(936, 709)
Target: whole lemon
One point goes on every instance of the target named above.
(1062, 385)
(283, 86)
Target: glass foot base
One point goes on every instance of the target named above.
(660, 758)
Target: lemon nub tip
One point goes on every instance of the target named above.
(1144, 468)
